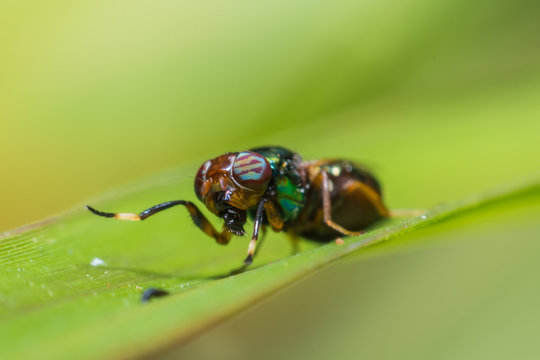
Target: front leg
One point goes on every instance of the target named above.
(197, 216)
(253, 243)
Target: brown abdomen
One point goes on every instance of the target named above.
(355, 197)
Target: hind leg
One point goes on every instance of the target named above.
(354, 189)
(360, 189)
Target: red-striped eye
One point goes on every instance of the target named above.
(251, 170)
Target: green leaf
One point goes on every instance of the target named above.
(463, 288)
(56, 304)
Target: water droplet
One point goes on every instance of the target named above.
(97, 262)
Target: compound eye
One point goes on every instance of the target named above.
(251, 170)
(201, 177)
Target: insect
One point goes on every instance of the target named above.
(319, 200)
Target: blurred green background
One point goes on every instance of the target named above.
(94, 94)
(440, 99)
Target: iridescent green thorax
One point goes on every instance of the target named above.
(286, 177)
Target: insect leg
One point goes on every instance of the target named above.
(198, 218)
(255, 236)
(370, 194)
(327, 209)
(261, 240)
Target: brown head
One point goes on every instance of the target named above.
(231, 184)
